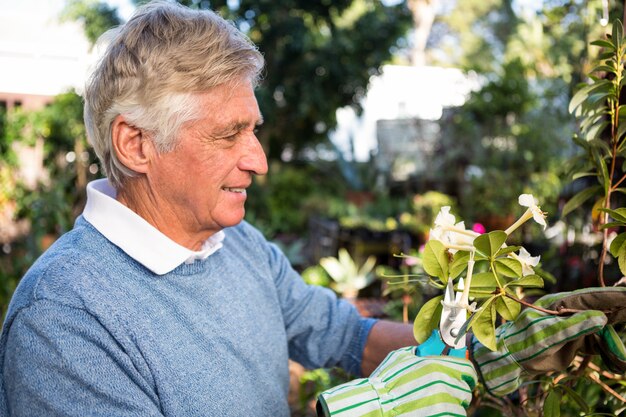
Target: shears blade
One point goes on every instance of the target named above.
(453, 316)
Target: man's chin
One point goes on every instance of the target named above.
(232, 221)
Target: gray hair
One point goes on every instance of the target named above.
(152, 69)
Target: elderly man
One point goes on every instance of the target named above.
(162, 301)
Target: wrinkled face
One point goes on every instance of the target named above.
(202, 182)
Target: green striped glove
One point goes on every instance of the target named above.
(536, 342)
(405, 384)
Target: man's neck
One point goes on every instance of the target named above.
(137, 195)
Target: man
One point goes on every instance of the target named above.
(162, 301)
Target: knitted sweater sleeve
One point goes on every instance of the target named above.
(61, 361)
(322, 330)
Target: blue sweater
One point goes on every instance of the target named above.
(91, 332)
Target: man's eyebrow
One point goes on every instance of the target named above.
(237, 126)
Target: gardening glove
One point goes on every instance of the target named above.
(404, 383)
(537, 342)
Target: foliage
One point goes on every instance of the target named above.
(336, 46)
(379, 214)
(348, 276)
(505, 145)
(312, 383)
(498, 283)
(316, 275)
(284, 200)
(97, 16)
(511, 135)
(497, 275)
(48, 208)
(602, 131)
(424, 208)
(399, 285)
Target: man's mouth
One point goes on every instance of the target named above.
(234, 190)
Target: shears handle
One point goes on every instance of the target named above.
(434, 346)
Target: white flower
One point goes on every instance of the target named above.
(527, 261)
(449, 233)
(527, 200)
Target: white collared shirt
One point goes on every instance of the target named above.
(135, 236)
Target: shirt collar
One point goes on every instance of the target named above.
(135, 236)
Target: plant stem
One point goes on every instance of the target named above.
(527, 304)
(615, 144)
(523, 219)
(618, 182)
(458, 230)
(458, 247)
(595, 378)
(493, 270)
(468, 280)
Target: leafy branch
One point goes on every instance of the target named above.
(500, 278)
(597, 106)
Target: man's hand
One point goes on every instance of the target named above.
(405, 383)
(537, 342)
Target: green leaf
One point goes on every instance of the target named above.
(427, 319)
(599, 143)
(484, 282)
(582, 94)
(436, 260)
(573, 395)
(590, 110)
(506, 250)
(579, 199)
(552, 404)
(618, 214)
(490, 243)
(483, 324)
(621, 111)
(595, 130)
(621, 129)
(583, 174)
(617, 244)
(603, 44)
(604, 68)
(508, 267)
(617, 33)
(601, 166)
(605, 55)
(528, 281)
(580, 141)
(621, 261)
(459, 263)
(507, 308)
(611, 224)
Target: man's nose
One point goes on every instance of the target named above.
(254, 159)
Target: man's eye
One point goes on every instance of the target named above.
(231, 137)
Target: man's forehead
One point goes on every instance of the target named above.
(238, 122)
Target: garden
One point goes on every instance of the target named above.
(523, 194)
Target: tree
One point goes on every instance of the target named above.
(423, 12)
(319, 57)
(97, 16)
(511, 135)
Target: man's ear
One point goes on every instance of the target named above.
(132, 147)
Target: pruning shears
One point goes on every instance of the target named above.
(449, 339)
